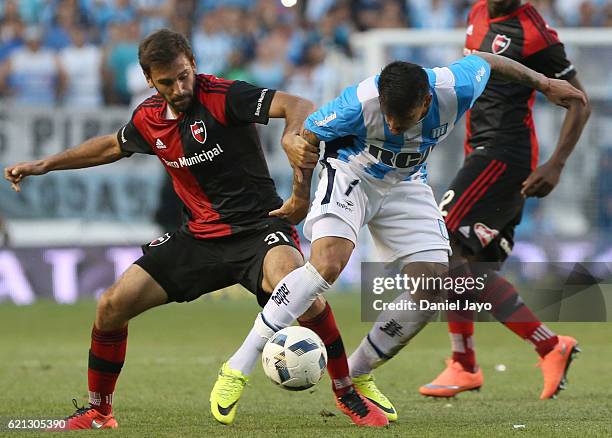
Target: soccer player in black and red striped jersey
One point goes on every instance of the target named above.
(485, 201)
(202, 130)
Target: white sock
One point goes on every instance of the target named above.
(245, 357)
(292, 296)
(392, 330)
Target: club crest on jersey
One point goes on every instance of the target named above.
(500, 44)
(198, 130)
(485, 234)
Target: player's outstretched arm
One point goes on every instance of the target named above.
(93, 152)
(301, 153)
(558, 91)
(546, 177)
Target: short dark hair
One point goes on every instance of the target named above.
(162, 47)
(402, 86)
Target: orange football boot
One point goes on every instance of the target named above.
(88, 418)
(453, 380)
(555, 364)
(361, 411)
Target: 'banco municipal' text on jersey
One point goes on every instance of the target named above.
(354, 129)
(500, 125)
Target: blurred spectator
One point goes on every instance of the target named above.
(607, 15)
(212, 45)
(121, 53)
(32, 74)
(237, 69)
(137, 85)
(82, 63)
(309, 78)
(366, 14)
(11, 30)
(431, 14)
(104, 13)
(30, 10)
(64, 19)
(268, 68)
(317, 9)
(154, 14)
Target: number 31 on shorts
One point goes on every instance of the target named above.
(273, 238)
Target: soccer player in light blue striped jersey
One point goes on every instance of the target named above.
(378, 135)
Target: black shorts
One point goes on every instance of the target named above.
(187, 268)
(483, 205)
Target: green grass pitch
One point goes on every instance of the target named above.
(174, 353)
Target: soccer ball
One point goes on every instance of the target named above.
(294, 358)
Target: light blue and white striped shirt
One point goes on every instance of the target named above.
(354, 129)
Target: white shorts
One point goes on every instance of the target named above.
(403, 218)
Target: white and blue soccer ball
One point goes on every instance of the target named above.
(294, 358)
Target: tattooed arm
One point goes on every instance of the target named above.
(295, 208)
(558, 91)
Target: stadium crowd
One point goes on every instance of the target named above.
(83, 53)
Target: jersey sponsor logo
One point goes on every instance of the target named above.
(161, 240)
(197, 158)
(401, 160)
(439, 131)
(260, 101)
(485, 234)
(159, 144)
(326, 120)
(198, 130)
(500, 44)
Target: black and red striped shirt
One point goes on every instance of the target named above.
(500, 124)
(212, 153)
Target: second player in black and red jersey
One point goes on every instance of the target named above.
(484, 203)
(202, 130)
(500, 125)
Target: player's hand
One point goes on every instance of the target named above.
(542, 180)
(562, 93)
(294, 209)
(301, 154)
(15, 174)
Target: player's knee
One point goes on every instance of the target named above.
(328, 267)
(109, 314)
(330, 256)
